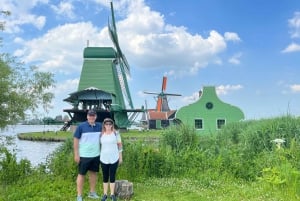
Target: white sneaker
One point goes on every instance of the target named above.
(79, 198)
(93, 195)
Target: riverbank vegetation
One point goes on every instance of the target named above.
(45, 136)
(255, 160)
(133, 135)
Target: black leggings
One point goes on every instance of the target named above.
(109, 172)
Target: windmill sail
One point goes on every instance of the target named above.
(112, 29)
(123, 69)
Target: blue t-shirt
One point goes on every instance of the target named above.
(89, 136)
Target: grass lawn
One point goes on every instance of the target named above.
(153, 189)
(170, 189)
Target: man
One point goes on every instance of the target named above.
(87, 152)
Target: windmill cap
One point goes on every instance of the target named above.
(92, 112)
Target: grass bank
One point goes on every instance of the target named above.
(54, 136)
(132, 135)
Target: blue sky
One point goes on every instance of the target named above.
(249, 50)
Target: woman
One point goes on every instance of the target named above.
(110, 156)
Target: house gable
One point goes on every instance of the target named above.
(211, 110)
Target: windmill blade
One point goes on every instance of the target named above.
(164, 84)
(124, 84)
(112, 29)
(113, 17)
(168, 94)
(112, 33)
(121, 57)
(125, 63)
(148, 92)
(162, 94)
(114, 36)
(159, 104)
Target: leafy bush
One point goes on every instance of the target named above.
(61, 162)
(10, 169)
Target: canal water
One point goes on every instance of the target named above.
(35, 152)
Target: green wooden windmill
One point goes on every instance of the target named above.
(103, 84)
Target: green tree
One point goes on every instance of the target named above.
(21, 89)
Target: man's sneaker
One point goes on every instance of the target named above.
(93, 195)
(104, 197)
(113, 198)
(79, 198)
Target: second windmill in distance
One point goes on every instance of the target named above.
(162, 104)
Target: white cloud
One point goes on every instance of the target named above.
(20, 14)
(60, 49)
(230, 36)
(295, 88)
(190, 99)
(294, 24)
(145, 34)
(61, 92)
(291, 48)
(64, 9)
(225, 89)
(66, 87)
(145, 38)
(18, 40)
(235, 59)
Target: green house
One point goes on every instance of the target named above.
(209, 113)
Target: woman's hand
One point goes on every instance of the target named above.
(120, 160)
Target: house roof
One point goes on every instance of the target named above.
(90, 93)
(157, 115)
(96, 52)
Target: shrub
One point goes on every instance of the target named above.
(61, 162)
(10, 170)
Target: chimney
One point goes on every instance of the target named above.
(200, 93)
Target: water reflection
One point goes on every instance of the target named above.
(35, 152)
